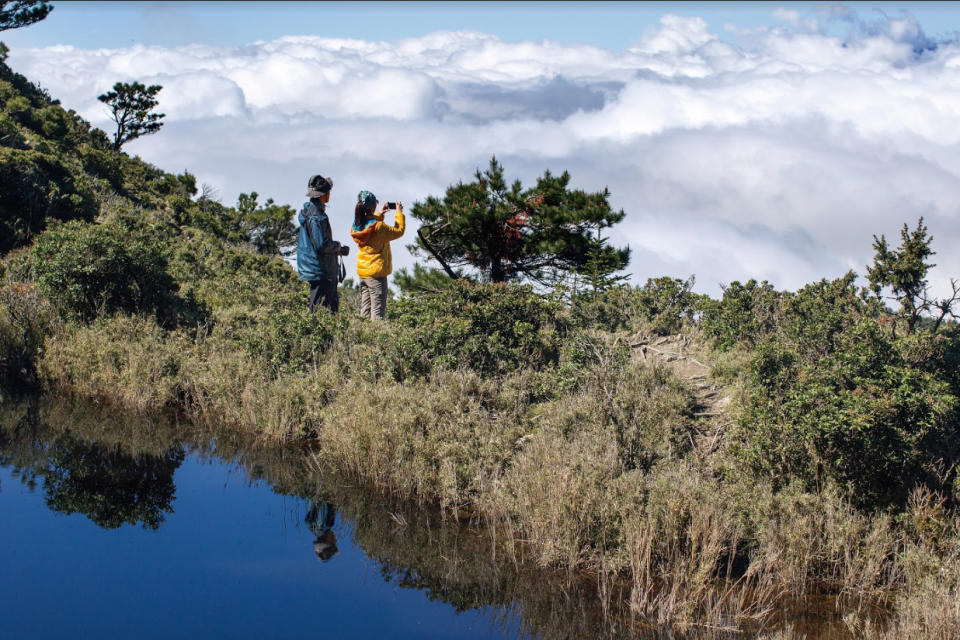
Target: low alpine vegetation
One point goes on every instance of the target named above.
(717, 454)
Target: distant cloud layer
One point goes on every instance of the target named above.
(778, 158)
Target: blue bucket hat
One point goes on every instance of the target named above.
(367, 199)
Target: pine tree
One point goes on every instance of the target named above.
(131, 104)
(506, 233)
(602, 267)
(22, 13)
(268, 227)
(904, 271)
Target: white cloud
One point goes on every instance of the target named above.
(778, 158)
(797, 21)
(678, 36)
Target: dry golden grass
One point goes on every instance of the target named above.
(670, 552)
(611, 477)
(126, 359)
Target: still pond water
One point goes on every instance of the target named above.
(115, 526)
(103, 539)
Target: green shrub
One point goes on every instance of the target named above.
(662, 305)
(25, 319)
(54, 123)
(100, 139)
(288, 340)
(36, 187)
(610, 310)
(166, 184)
(10, 135)
(22, 111)
(89, 269)
(666, 303)
(490, 328)
(935, 353)
(818, 315)
(745, 314)
(831, 398)
(421, 279)
(32, 92)
(103, 164)
(6, 91)
(139, 180)
(221, 276)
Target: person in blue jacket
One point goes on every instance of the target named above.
(317, 252)
(321, 518)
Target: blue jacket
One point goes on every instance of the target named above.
(311, 264)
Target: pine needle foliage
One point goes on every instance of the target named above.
(508, 233)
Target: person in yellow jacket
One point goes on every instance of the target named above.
(374, 262)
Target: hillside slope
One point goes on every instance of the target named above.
(771, 444)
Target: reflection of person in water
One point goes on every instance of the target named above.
(320, 519)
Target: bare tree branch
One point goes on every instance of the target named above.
(945, 305)
(443, 263)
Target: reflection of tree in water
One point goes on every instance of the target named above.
(452, 561)
(109, 486)
(128, 477)
(462, 597)
(417, 547)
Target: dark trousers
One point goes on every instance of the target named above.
(324, 293)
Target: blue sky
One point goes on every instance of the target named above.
(743, 140)
(613, 25)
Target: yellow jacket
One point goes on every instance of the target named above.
(373, 257)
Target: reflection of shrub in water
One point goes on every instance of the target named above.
(109, 486)
(451, 561)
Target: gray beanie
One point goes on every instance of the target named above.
(318, 186)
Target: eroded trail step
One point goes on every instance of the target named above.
(674, 352)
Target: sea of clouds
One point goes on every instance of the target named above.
(776, 158)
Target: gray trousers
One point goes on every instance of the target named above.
(373, 298)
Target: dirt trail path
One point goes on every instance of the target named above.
(675, 353)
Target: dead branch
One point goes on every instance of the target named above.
(433, 252)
